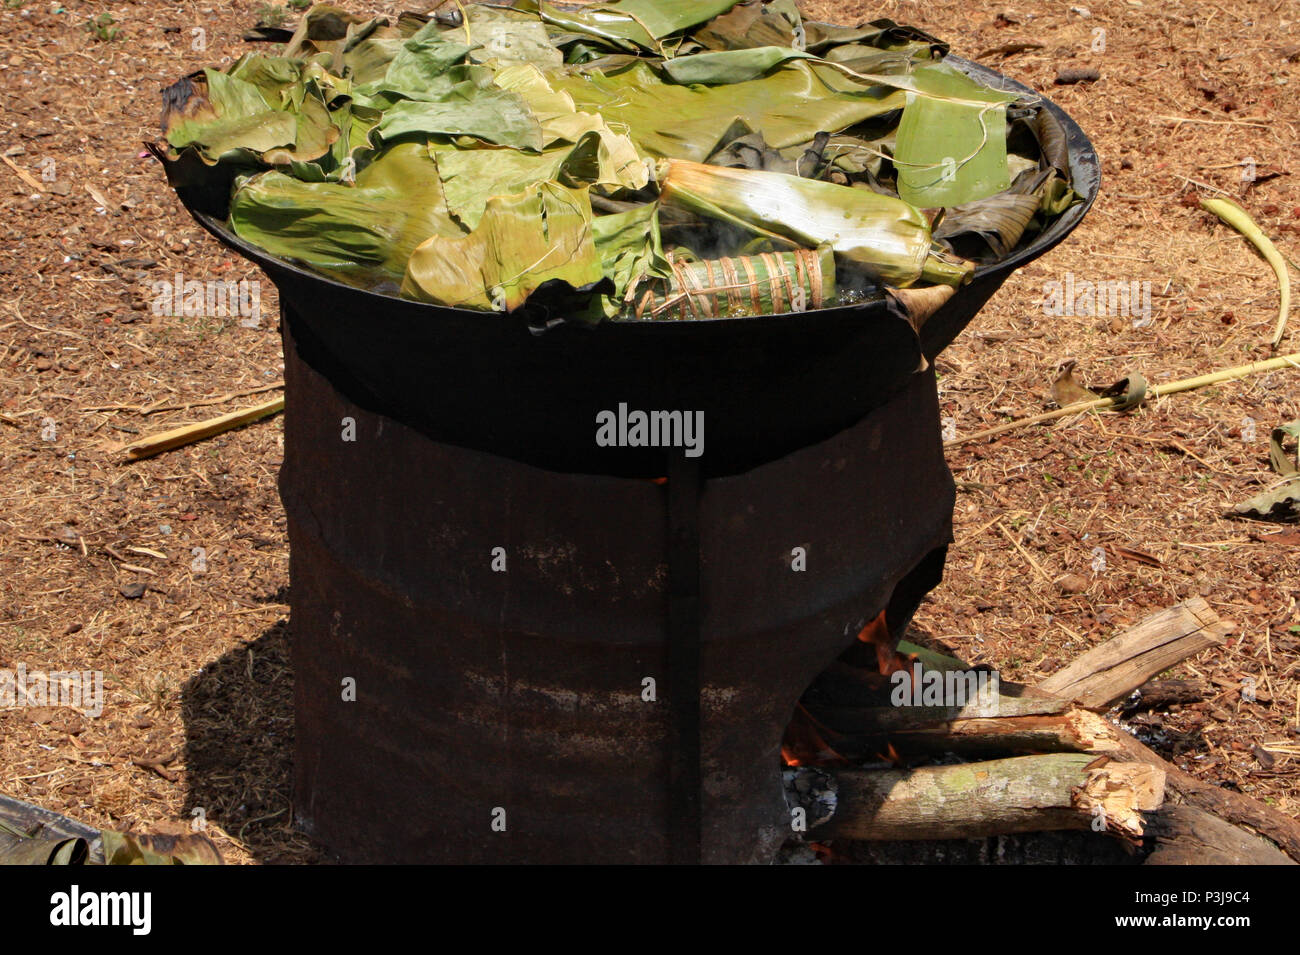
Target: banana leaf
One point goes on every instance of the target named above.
(997, 221)
(728, 66)
(488, 113)
(629, 24)
(951, 146)
(523, 241)
(666, 17)
(278, 78)
(407, 151)
(630, 251)
(884, 237)
(619, 162)
(368, 229)
(1280, 503)
(224, 116)
(420, 68)
(470, 178)
(882, 34)
(34, 848)
(327, 31)
(125, 848)
(752, 24)
(509, 36)
(667, 120)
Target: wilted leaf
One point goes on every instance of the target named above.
(752, 24)
(1282, 502)
(667, 120)
(229, 115)
(522, 242)
(375, 225)
(124, 848)
(390, 137)
(21, 849)
(488, 113)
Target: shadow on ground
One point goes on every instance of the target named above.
(238, 714)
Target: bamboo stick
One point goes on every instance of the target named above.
(1173, 387)
(192, 433)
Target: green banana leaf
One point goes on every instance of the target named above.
(487, 113)
(629, 24)
(523, 241)
(951, 146)
(419, 69)
(509, 36)
(728, 66)
(370, 228)
(415, 151)
(668, 120)
(630, 251)
(666, 17)
(470, 178)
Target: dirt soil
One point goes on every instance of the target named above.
(170, 575)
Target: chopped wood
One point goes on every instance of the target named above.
(1233, 807)
(891, 720)
(1185, 835)
(1023, 794)
(1155, 694)
(1115, 669)
(193, 433)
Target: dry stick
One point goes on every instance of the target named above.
(1024, 553)
(1101, 404)
(196, 403)
(23, 174)
(192, 433)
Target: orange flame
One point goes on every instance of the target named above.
(877, 636)
(805, 742)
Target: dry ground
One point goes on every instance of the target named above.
(196, 673)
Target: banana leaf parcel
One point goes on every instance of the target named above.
(658, 159)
